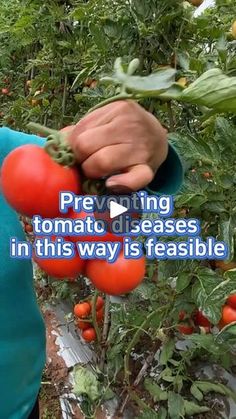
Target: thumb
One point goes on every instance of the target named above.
(134, 179)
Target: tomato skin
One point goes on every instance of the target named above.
(185, 329)
(100, 315)
(5, 91)
(82, 310)
(61, 268)
(28, 228)
(116, 278)
(83, 325)
(107, 237)
(228, 315)
(220, 264)
(182, 315)
(231, 301)
(31, 181)
(89, 335)
(99, 303)
(201, 320)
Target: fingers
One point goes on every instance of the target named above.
(135, 178)
(112, 159)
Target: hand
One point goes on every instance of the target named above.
(120, 141)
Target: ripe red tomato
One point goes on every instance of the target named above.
(107, 237)
(116, 278)
(61, 268)
(89, 335)
(28, 228)
(232, 301)
(99, 303)
(201, 320)
(5, 91)
(185, 329)
(83, 325)
(228, 315)
(100, 315)
(182, 315)
(31, 181)
(82, 310)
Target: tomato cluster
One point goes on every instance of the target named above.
(84, 322)
(35, 171)
(189, 324)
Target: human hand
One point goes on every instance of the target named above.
(120, 141)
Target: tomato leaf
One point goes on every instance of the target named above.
(175, 405)
(207, 387)
(183, 281)
(214, 90)
(167, 352)
(155, 390)
(191, 408)
(85, 383)
(196, 392)
(210, 291)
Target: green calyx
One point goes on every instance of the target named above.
(56, 144)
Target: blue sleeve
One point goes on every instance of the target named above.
(169, 177)
(9, 140)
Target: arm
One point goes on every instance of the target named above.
(9, 140)
(169, 176)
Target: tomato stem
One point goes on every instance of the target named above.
(56, 145)
(121, 96)
(94, 316)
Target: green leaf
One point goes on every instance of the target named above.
(85, 383)
(175, 405)
(167, 352)
(153, 84)
(214, 90)
(196, 392)
(191, 408)
(155, 390)
(227, 235)
(166, 375)
(207, 387)
(183, 281)
(210, 291)
(109, 394)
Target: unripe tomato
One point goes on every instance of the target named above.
(116, 278)
(32, 181)
(83, 325)
(201, 320)
(234, 29)
(82, 310)
(89, 335)
(232, 301)
(185, 329)
(228, 315)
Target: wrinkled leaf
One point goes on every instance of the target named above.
(155, 390)
(85, 383)
(175, 405)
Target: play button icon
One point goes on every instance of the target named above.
(118, 213)
(116, 209)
